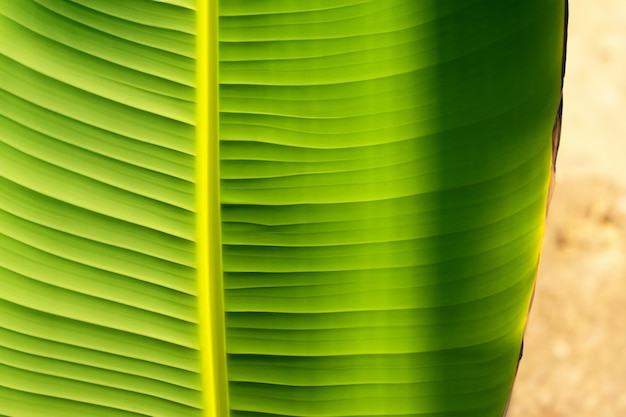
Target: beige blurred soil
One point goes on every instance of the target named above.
(575, 352)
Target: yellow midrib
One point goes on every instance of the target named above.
(208, 241)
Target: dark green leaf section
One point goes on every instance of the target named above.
(384, 175)
(98, 311)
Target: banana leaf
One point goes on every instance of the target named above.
(271, 207)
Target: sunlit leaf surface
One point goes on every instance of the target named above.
(383, 168)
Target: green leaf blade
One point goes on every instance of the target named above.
(385, 179)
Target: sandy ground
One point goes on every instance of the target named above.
(575, 357)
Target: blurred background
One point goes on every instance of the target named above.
(575, 352)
